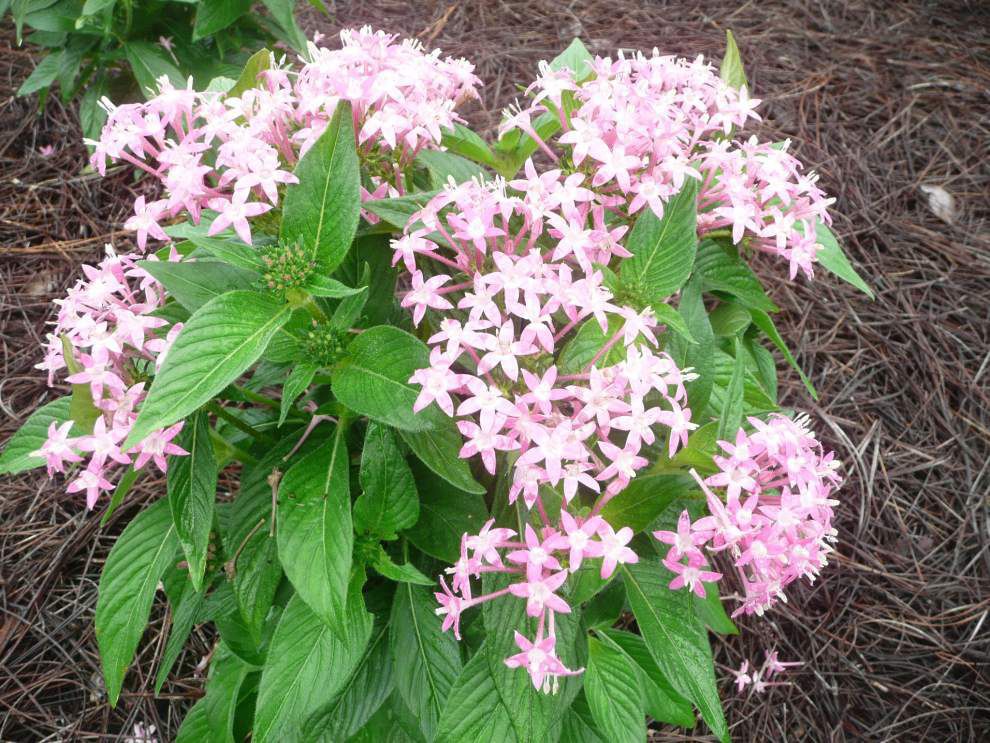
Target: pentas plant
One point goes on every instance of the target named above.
(497, 422)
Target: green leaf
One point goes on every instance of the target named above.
(308, 663)
(445, 165)
(366, 689)
(676, 638)
(184, 613)
(227, 673)
(220, 342)
(315, 536)
(475, 710)
(575, 58)
(373, 378)
(698, 356)
(281, 11)
(124, 485)
(91, 115)
(663, 249)
(587, 343)
(194, 283)
(82, 409)
(661, 701)
(711, 611)
(699, 450)
(389, 502)
(643, 499)
(723, 271)
(611, 685)
(399, 210)
(578, 725)
(667, 315)
(192, 489)
(92, 7)
(426, 660)
(732, 71)
(732, 406)
(466, 142)
(297, 382)
(350, 308)
(729, 319)
(765, 323)
(445, 513)
(606, 607)
(228, 250)
(127, 588)
(43, 75)
(216, 15)
(257, 63)
(148, 63)
(831, 256)
(322, 210)
(324, 286)
(404, 573)
(31, 436)
(196, 725)
(439, 450)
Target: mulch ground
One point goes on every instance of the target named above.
(881, 98)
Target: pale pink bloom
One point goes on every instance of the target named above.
(503, 349)
(436, 382)
(426, 294)
(93, 482)
(485, 441)
(613, 548)
(487, 541)
(538, 554)
(57, 448)
(157, 445)
(539, 594)
(684, 542)
(234, 213)
(145, 221)
(450, 609)
(691, 574)
(580, 539)
(104, 444)
(540, 661)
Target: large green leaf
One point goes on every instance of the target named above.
(445, 513)
(732, 405)
(220, 342)
(194, 283)
(148, 63)
(722, 270)
(397, 211)
(195, 726)
(295, 384)
(612, 687)
(366, 689)
(587, 343)
(127, 588)
(308, 663)
(663, 249)
(444, 165)
(184, 612)
(661, 701)
(676, 638)
(43, 75)
(575, 58)
(322, 211)
(315, 536)
(466, 142)
(373, 378)
(643, 499)
(699, 354)
(427, 661)
(765, 323)
(475, 710)
(831, 256)
(192, 490)
(31, 436)
(227, 673)
(216, 15)
(389, 502)
(281, 11)
(439, 449)
(578, 725)
(257, 63)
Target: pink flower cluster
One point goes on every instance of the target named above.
(526, 282)
(231, 154)
(539, 565)
(519, 280)
(641, 126)
(775, 522)
(106, 322)
(760, 680)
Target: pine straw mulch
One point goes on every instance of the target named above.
(880, 98)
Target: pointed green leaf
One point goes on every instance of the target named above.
(663, 249)
(575, 58)
(296, 383)
(611, 685)
(216, 15)
(466, 142)
(127, 588)
(400, 573)
(722, 270)
(324, 286)
(676, 638)
(389, 502)
(439, 449)
(31, 436)
(732, 406)
(194, 283)
(148, 63)
(192, 490)
(220, 342)
(445, 513)
(322, 210)
(732, 71)
(831, 256)
(184, 613)
(315, 536)
(644, 498)
(257, 63)
(475, 711)
(427, 660)
(373, 378)
(445, 165)
(227, 673)
(765, 323)
(308, 663)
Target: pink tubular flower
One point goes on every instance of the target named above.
(541, 662)
(57, 449)
(539, 594)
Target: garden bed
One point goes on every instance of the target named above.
(880, 102)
